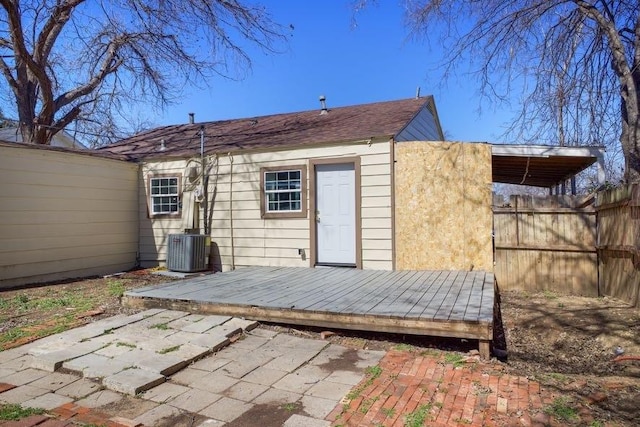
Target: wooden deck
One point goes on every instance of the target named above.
(455, 304)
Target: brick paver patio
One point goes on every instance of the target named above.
(465, 392)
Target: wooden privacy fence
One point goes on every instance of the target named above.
(619, 243)
(545, 243)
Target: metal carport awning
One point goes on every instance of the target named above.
(542, 165)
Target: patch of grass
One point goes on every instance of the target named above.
(389, 412)
(12, 412)
(125, 344)
(161, 326)
(562, 410)
(596, 423)
(417, 417)
(116, 288)
(457, 360)
(168, 349)
(549, 294)
(372, 372)
(367, 403)
(290, 407)
(561, 378)
(403, 347)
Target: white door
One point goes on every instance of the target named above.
(336, 214)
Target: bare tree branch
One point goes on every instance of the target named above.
(70, 56)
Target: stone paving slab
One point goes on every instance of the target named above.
(166, 368)
(133, 381)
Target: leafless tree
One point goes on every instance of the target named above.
(80, 61)
(574, 63)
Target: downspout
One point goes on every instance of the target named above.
(392, 160)
(233, 259)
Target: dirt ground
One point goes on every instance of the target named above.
(568, 344)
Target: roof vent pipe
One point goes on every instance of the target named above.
(418, 92)
(323, 105)
(163, 146)
(191, 118)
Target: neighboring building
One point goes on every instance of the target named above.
(339, 186)
(60, 139)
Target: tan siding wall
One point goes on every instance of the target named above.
(273, 242)
(65, 215)
(443, 206)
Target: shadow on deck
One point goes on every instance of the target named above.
(456, 304)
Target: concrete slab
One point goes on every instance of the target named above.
(206, 324)
(277, 397)
(297, 420)
(210, 364)
(188, 376)
(244, 324)
(312, 373)
(245, 391)
(226, 409)
(345, 377)
(182, 322)
(215, 382)
(369, 358)
(21, 394)
(264, 333)
(329, 390)
(292, 359)
(212, 340)
(80, 388)
(47, 401)
(194, 400)
(191, 352)
(328, 354)
(264, 376)
(19, 363)
(157, 414)
(243, 365)
(12, 353)
(250, 342)
(294, 383)
(24, 376)
(96, 366)
(133, 381)
(51, 361)
(318, 407)
(165, 364)
(165, 392)
(54, 381)
(100, 398)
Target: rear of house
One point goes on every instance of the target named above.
(336, 187)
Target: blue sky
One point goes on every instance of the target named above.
(376, 60)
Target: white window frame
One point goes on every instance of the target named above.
(266, 190)
(173, 192)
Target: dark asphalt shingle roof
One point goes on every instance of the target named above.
(342, 124)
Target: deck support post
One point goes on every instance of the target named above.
(484, 347)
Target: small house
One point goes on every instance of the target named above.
(371, 186)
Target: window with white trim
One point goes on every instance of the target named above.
(165, 196)
(283, 191)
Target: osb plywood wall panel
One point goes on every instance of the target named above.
(619, 243)
(443, 215)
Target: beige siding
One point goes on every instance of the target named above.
(272, 242)
(443, 206)
(65, 215)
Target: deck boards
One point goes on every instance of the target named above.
(441, 303)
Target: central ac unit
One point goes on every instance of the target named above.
(187, 253)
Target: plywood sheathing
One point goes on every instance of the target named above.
(443, 206)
